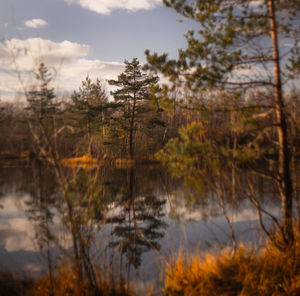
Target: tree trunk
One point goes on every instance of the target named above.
(284, 158)
(89, 138)
(131, 131)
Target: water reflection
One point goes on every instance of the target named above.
(116, 219)
(138, 223)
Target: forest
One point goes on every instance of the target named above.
(223, 130)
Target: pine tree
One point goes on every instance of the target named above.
(87, 110)
(43, 108)
(134, 95)
(237, 49)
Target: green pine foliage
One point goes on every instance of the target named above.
(135, 117)
(43, 109)
(89, 113)
(230, 60)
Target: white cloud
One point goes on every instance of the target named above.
(18, 233)
(256, 3)
(68, 60)
(35, 23)
(37, 47)
(107, 6)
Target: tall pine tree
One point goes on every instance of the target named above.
(134, 95)
(43, 108)
(87, 109)
(237, 48)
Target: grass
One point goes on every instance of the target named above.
(66, 282)
(245, 273)
(82, 159)
(85, 161)
(248, 272)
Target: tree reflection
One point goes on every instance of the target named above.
(139, 224)
(86, 206)
(41, 208)
(106, 214)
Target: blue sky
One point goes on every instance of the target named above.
(79, 37)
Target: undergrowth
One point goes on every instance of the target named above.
(66, 282)
(248, 272)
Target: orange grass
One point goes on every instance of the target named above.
(248, 272)
(85, 161)
(66, 282)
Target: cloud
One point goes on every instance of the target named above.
(18, 233)
(256, 3)
(68, 61)
(107, 6)
(37, 48)
(35, 23)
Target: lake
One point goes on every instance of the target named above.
(130, 221)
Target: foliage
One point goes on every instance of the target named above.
(235, 51)
(231, 37)
(88, 111)
(41, 100)
(43, 110)
(223, 131)
(134, 96)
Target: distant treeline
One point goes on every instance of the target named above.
(138, 121)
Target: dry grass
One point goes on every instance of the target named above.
(66, 283)
(248, 272)
(82, 159)
(85, 161)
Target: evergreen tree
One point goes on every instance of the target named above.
(43, 108)
(134, 95)
(88, 110)
(41, 100)
(237, 49)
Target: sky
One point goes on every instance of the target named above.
(76, 38)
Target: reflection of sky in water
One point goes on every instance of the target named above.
(16, 231)
(19, 249)
(201, 226)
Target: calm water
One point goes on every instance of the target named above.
(130, 220)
